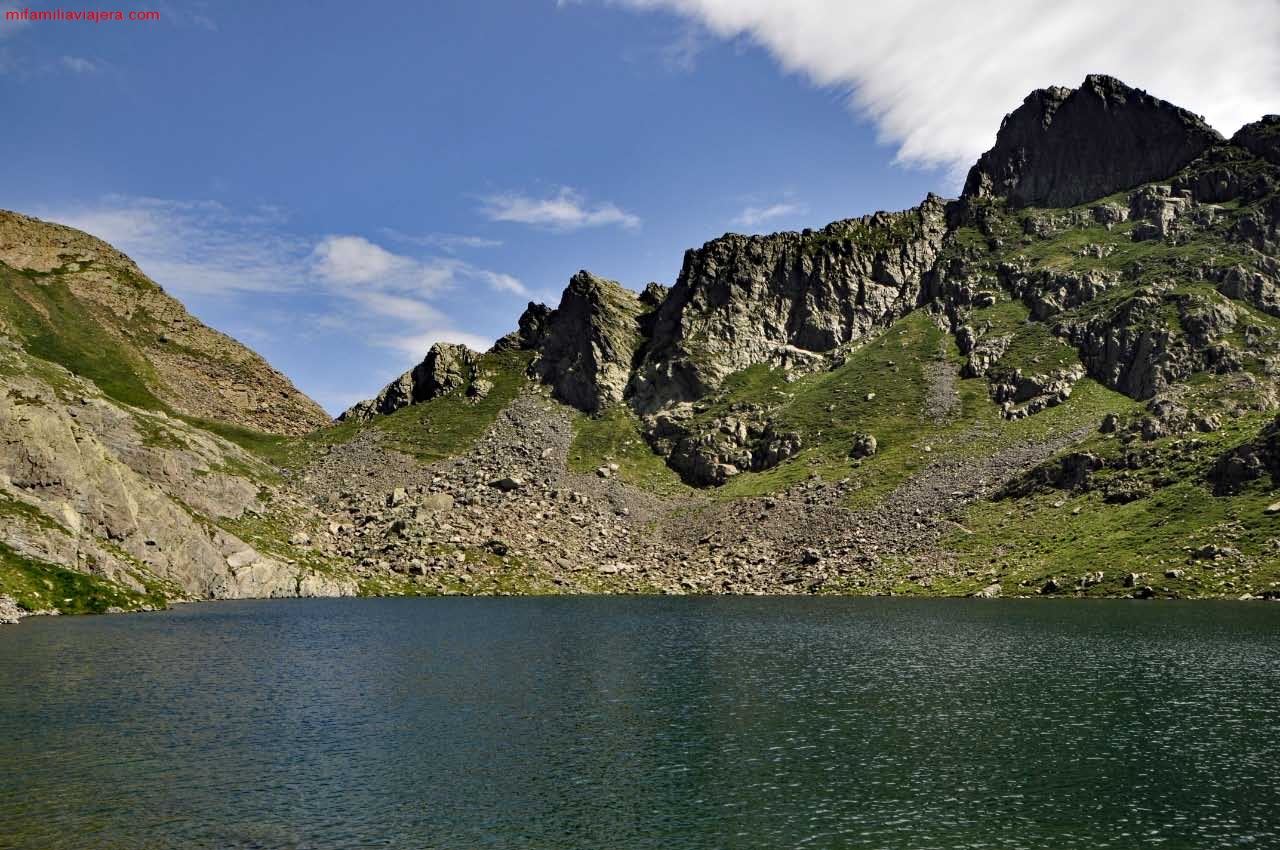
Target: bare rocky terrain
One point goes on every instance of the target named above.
(1062, 383)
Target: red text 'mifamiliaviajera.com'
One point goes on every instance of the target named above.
(93, 16)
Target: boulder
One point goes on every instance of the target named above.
(713, 451)
(863, 445)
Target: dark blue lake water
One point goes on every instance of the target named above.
(660, 724)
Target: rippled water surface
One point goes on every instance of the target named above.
(644, 723)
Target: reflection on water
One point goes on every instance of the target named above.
(644, 723)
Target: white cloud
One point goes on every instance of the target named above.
(450, 242)
(354, 286)
(402, 307)
(79, 65)
(564, 211)
(417, 345)
(754, 216)
(680, 56)
(505, 283)
(354, 259)
(936, 76)
(196, 248)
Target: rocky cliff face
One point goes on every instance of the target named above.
(1261, 138)
(590, 342)
(1064, 147)
(64, 281)
(446, 367)
(131, 497)
(784, 299)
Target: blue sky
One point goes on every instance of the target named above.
(339, 184)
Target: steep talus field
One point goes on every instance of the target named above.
(1063, 383)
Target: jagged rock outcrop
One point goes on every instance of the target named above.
(1047, 292)
(1064, 146)
(1135, 348)
(1252, 286)
(1261, 138)
(532, 329)
(446, 367)
(1020, 395)
(1248, 462)
(712, 452)
(1131, 349)
(742, 300)
(1069, 471)
(192, 368)
(590, 342)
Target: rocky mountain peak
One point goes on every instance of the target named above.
(1064, 146)
(531, 329)
(92, 305)
(446, 367)
(590, 342)
(1261, 138)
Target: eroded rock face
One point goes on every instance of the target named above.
(532, 329)
(1135, 348)
(1261, 138)
(446, 367)
(1248, 462)
(1047, 292)
(710, 453)
(590, 342)
(742, 300)
(1064, 146)
(131, 496)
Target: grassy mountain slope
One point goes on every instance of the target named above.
(74, 300)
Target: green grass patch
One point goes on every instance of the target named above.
(40, 586)
(614, 436)
(56, 326)
(450, 425)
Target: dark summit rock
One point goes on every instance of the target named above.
(1064, 146)
(1261, 138)
(532, 329)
